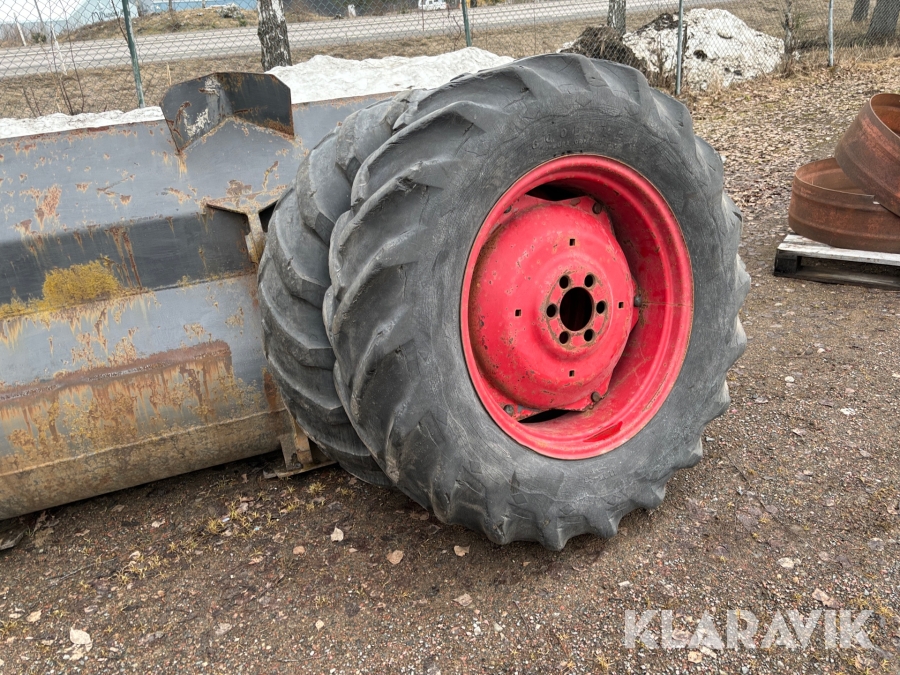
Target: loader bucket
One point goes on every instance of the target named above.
(130, 339)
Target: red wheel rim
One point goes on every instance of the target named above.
(577, 305)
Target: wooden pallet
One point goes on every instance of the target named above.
(791, 252)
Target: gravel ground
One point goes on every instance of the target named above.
(794, 508)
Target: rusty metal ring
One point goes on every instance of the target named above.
(828, 207)
(869, 151)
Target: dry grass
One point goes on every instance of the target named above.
(164, 22)
(113, 88)
(102, 89)
(9, 36)
(186, 21)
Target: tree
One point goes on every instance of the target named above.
(788, 23)
(884, 20)
(860, 11)
(615, 19)
(273, 34)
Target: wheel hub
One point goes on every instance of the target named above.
(552, 305)
(576, 306)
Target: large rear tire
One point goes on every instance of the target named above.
(293, 278)
(445, 250)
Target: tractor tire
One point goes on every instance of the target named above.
(544, 240)
(293, 278)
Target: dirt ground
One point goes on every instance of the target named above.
(794, 507)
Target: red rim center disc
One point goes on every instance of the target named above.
(577, 306)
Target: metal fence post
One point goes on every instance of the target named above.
(21, 34)
(465, 10)
(132, 49)
(830, 33)
(680, 50)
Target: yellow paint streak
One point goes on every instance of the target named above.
(14, 307)
(74, 285)
(79, 284)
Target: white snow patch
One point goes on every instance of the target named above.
(326, 77)
(720, 48)
(321, 78)
(10, 128)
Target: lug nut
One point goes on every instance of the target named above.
(508, 409)
(595, 397)
(638, 301)
(597, 208)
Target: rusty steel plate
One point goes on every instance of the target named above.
(130, 339)
(869, 151)
(827, 206)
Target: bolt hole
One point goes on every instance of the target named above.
(564, 337)
(601, 307)
(621, 305)
(571, 373)
(589, 280)
(518, 312)
(588, 335)
(576, 308)
(551, 311)
(564, 281)
(571, 242)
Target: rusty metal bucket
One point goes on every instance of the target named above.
(869, 151)
(828, 207)
(130, 340)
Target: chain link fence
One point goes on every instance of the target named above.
(73, 56)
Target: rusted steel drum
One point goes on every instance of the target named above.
(130, 338)
(828, 207)
(869, 151)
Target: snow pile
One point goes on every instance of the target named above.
(325, 77)
(10, 128)
(321, 78)
(720, 48)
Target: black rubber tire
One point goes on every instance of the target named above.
(397, 264)
(293, 277)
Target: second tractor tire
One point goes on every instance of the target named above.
(293, 278)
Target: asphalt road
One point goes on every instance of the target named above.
(230, 42)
